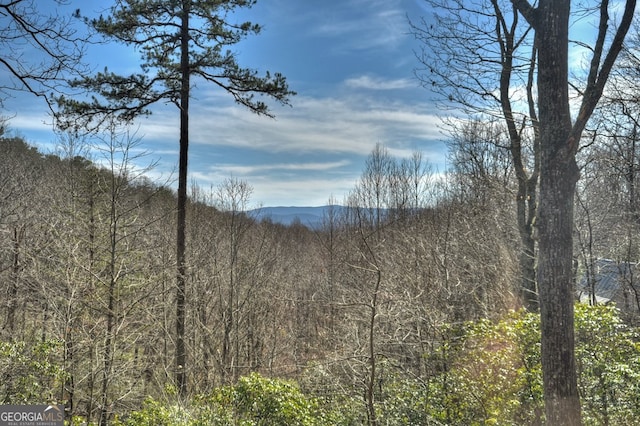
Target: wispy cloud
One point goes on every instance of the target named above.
(269, 190)
(302, 192)
(248, 170)
(347, 124)
(364, 24)
(378, 83)
(312, 151)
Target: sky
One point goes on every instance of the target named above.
(352, 65)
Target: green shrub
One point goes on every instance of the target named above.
(608, 359)
(405, 403)
(30, 374)
(260, 401)
(493, 373)
(253, 401)
(154, 413)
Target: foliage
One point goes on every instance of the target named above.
(260, 401)
(491, 373)
(480, 372)
(406, 402)
(253, 401)
(204, 34)
(608, 355)
(494, 375)
(30, 373)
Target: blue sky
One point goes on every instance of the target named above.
(351, 63)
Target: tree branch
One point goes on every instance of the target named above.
(598, 78)
(529, 12)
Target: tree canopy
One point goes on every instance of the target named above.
(156, 28)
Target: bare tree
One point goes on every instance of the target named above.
(609, 199)
(480, 168)
(122, 226)
(232, 198)
(479, 57)
(19, 186)
(52, 39)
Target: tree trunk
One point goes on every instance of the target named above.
(555, 278)
(107, 355)
(558, 177)
(371, 380)
(529, 288)
(527, 183)
(12, 304)
(559, 140)
(181, 353)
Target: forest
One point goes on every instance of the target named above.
(501, 291)
(407, 303)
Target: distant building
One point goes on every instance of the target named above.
(612, 282)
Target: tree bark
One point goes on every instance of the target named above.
(556, 289)
(181, 353)
(559, 140)
(558, 178)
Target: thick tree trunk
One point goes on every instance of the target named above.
(559, 139)
(555, 277)
(558, 177)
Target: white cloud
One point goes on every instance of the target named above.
(319, 144)
(315, 149)
(31, 120)
(247, 170)
(349, 125)
(295, 191)
(377, 83)
(308, 192)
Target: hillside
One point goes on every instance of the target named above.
(87, 269)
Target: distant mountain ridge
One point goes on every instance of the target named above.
(310, 217)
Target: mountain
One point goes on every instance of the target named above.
(310, 217)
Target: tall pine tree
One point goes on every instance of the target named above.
(178, 40)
